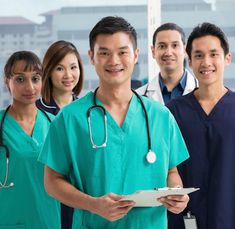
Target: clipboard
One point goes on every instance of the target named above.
(148, 198)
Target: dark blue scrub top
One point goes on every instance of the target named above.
(66, 212)
(52, 107)
(211, 143)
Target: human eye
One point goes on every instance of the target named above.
(175, 45)
(161, 46)
(74, 67)
(215, 54)
(59, 68)
(123, 52)
(197, 56)
(19, 79)
(36, 78)
(103, 53)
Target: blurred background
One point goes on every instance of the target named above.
(34, 25)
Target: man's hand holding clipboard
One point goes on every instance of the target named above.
(157, 197)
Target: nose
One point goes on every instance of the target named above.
(206, 61)
(114, 59)
(68, 74)
(29, 86)
(168, 51)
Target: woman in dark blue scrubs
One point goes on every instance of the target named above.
(206, 118)
(63, 77)
(62, 82)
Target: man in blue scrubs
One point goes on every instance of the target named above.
(106, 158)
(173, 80)
(207, 121)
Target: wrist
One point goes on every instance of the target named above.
(90, 203)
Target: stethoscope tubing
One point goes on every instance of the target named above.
(105, 119)
(7, 152)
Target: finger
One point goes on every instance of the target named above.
(172, 203)
(126, 204)
(122, 213)
(114, 196)
(180, 198)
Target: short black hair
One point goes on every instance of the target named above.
(169, 26)
(207, 29)
(111, 25)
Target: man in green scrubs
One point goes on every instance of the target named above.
(100, 176)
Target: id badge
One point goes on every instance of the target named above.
(190, 221)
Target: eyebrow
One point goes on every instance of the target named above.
(61, 65)
(23, 73)
(211, 51)
(121, 48)
(172, 42)
(214, 50)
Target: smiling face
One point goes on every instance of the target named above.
(208, 60)
(114, 58)
(66, 74)
(24, 85)
(169, 52)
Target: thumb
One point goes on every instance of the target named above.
(114, 196)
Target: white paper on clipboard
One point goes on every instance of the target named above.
(148, 198)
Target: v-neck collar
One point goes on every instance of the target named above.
(213, 111)
(128, 118)
(20, 130)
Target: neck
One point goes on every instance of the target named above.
(205, 93)
(20, 113)
(109, 96)
(171, 79)
(116, 101)
(62, 99)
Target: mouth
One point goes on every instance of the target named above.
(168, 60)
(114, 70)
(29, 96)
(67, 83)
(206, 72)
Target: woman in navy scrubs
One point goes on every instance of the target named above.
(62, 78)
(207, 121)
(62, 82)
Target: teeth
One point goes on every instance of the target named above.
(118, 70)
(206, 72)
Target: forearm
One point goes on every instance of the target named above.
(173, 178)
(58, 187)
(174, 203)
(107, 206)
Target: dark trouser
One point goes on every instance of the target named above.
(66, 217)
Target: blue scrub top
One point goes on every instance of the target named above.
(211, 143)
(121, 166)
(51, 107)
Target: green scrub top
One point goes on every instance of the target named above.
(121, 166)
(26, 205)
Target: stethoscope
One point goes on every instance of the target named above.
(150, 156)
(5, 183)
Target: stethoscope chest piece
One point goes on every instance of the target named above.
(151, 157)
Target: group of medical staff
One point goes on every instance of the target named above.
(113, 142)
